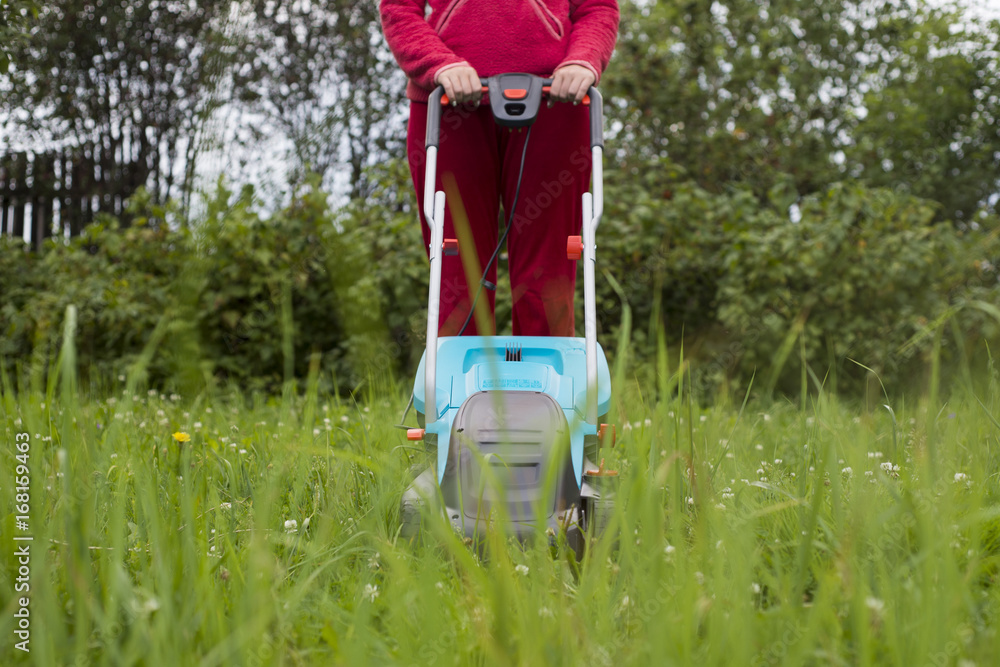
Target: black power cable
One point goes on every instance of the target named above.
(510, 221)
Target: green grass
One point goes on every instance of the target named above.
(764, 533)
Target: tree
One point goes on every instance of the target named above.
(14, 16)
(932, 122)
(322, 73)
(784, 97)
(121, 89)
(739, 93)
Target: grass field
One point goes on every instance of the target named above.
(745, 534)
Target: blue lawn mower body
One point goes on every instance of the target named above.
(510, 420)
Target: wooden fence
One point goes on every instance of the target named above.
(57, 194)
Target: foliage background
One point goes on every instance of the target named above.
(801, 190)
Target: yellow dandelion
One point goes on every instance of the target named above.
(181, 436)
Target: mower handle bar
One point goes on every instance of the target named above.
(434, 208)
(438, 99)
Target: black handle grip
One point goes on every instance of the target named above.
(434, 118)
(433, 137)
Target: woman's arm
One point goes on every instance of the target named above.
(593, 35)
(416, 46)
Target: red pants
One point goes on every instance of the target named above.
(483, 159)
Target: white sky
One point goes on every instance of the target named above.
(992, 6)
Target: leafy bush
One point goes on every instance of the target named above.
(863, 274)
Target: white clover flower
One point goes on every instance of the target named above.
(886, 466)
(759, 447)
(690, 500)
(961, 477)
(848, 471)
(669, 549)
(315, 431)
(291, 526)
(647, 422)
(874, 604)
(703, 418)
(778, 462)
(626, 426)
(344, 418)
(522, 569)
(755, 588)
(767, 417)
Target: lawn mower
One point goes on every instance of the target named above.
(514, 421)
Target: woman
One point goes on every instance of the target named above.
(456, 44)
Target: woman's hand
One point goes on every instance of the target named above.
(570, 83)
(461, 84)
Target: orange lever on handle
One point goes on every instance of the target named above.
(445, 101)
(547, 89)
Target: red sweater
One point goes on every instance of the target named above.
(497, 36)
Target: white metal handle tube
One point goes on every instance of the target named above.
(430, 175)
(436, 221)
(597, 168)
(589, 307)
